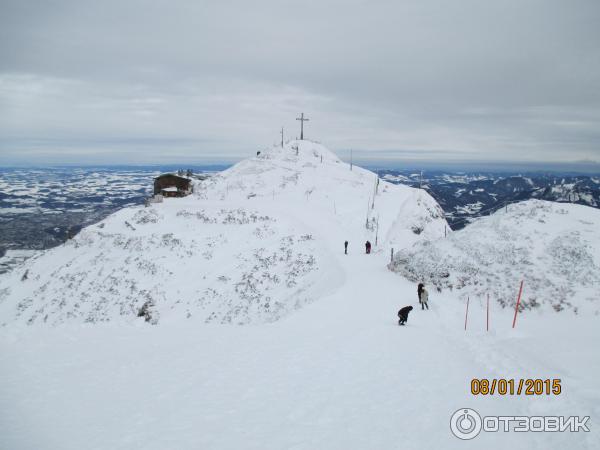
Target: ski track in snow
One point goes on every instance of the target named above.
(337, 373)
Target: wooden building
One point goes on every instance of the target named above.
(171, 185)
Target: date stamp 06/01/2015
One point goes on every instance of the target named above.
(523, 386)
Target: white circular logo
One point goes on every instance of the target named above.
(465, 423)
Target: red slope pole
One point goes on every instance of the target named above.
(518, 303)
(487, 320)
(466, 313)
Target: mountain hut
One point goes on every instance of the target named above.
(171, 185)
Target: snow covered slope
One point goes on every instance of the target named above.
(554, 248)
(338, 373)
(250, 246)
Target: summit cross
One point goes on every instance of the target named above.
(302, 120)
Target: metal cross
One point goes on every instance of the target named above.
(302, 120)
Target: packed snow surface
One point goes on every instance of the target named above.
(554, 248)
(320, 361)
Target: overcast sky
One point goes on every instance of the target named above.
(193, 81)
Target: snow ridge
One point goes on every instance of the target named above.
(554, 248)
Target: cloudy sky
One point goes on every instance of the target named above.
(194, 81)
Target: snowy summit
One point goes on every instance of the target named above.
(251, 245)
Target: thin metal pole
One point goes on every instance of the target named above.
(467, 314)
(487, 320)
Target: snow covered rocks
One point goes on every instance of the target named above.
(250, 245)
(554, 248)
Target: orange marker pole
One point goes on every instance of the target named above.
(518, 303)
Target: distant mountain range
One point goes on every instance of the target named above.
(464, 196)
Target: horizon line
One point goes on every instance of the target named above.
(589, 167)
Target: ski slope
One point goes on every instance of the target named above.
(334, 372)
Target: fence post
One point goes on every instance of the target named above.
(487, 319)
(466, 313)
(518, 303)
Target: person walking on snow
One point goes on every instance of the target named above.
(346, 248)
(367, 247)
(423, 296)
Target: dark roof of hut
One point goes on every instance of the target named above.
(174, 176)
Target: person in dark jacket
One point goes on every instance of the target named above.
(346, 248)
(403, 314)
(367, 247)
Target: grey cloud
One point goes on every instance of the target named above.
(516, 79)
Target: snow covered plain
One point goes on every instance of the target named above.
(320, 361)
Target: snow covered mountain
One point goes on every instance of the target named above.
(465, 196)
(250, 246)
(554, 248)
(324, 364)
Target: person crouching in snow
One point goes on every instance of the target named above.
(424, 297)
(403, 314)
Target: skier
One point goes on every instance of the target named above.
(403, 314)
(367, 247)
(346, 248)
(423, 296)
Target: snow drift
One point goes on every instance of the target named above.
(554, 248)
